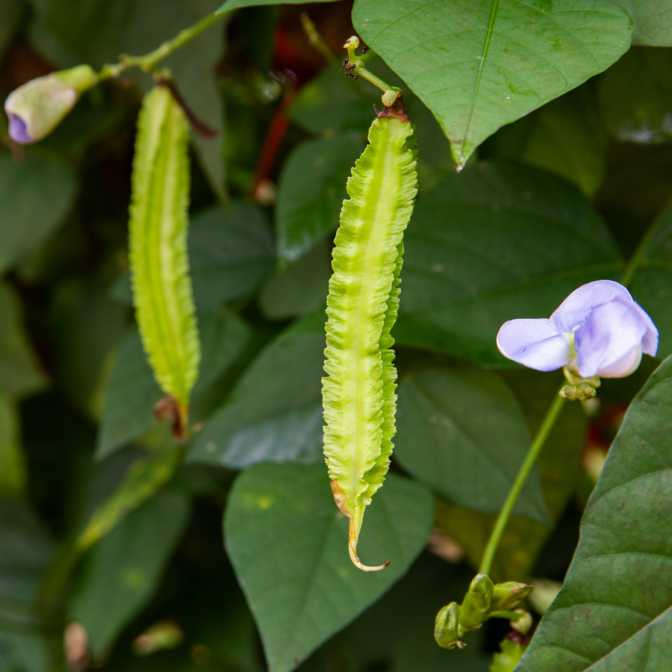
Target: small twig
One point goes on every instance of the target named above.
(315, 39)
(197, 124)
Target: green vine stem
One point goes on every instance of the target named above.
(148, 62)
(525, 468)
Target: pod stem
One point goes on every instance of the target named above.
(354, 66)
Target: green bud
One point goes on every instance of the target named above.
(477, 602)
(447, 631)
(508, 657)
(38, 106)
(523, 622)
(509, 595)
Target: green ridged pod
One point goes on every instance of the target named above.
(162, 290)
(359, 389)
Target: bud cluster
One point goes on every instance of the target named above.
(483, 600)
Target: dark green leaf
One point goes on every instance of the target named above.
(331, 102)
(613, 612)
(230, 252)
(124, 569)
(131, 393)
(636, 96)
(26, 552)
(480, 66)
(559, 471)
(288, 545)
(651, 284)
(463, 433)
(312, 188)
(19, 372)
(565, 137)
(86, 326)
(300, 288)
(35, 195)
(497, 242)
(274, 413)
(12, 467)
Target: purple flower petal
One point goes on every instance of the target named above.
(18, 130)
(607, 337)
(625, 365)
(576, 308)
(533, 343)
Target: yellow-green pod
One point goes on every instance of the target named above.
(359, 389)
(158, 240)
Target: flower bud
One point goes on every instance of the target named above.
(509, 595)
(38, 106)
(447, 632)
(523, 623)
(477, 602)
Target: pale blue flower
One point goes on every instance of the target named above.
(598, 330)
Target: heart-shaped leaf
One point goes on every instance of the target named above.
(480, 65)
(288, 545)
(275, 411)
(614, 611)
(463, 433)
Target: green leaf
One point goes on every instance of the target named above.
(653, 21)
(497, 242)
(565, 137)
(26, 552)
(35, 195)
(463, 433)
(123, 570)
(131, 392)
(651, 283)
(274, 413)
(480, 66)
(613, 612)
(288, 546)
(231, 253)
(19, 371)
(311, 191)
(636, 96)
(12, 467)
(300, 288)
